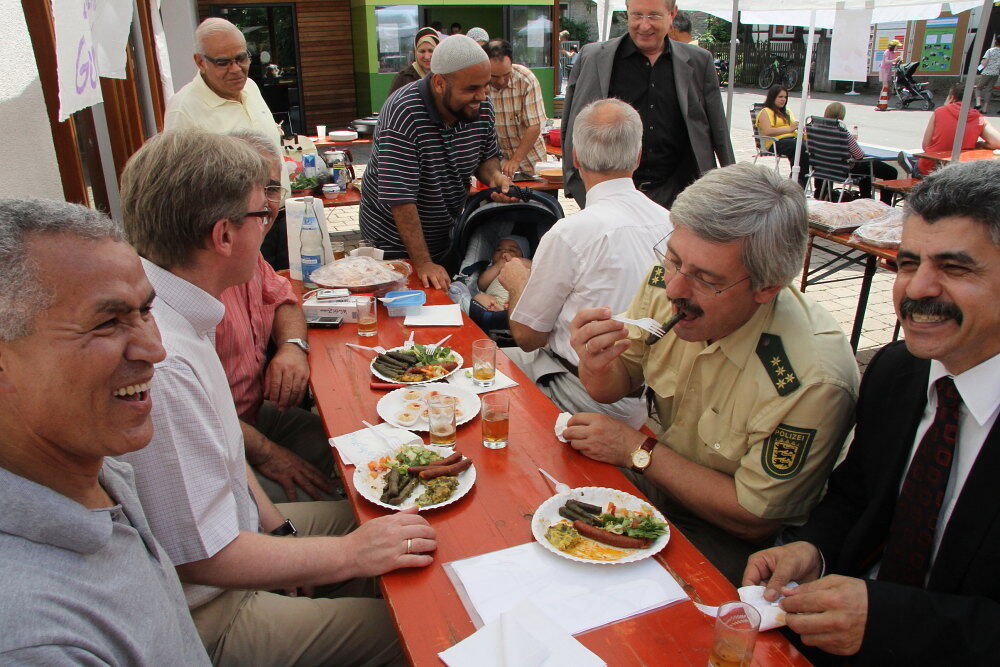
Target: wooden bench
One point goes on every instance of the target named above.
(899, 187)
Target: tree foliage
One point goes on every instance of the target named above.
(578, 30)
(716, 30)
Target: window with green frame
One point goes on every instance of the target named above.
(531, 34)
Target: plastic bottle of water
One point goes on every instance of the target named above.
(459, 293)
(310, 244)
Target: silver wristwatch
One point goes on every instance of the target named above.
(303, 345)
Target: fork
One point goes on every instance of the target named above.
(644, 323)
(378, 348)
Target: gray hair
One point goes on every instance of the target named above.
(22, 295)
(179, 184)
(967, 190)
(259, 143)
(607, 136)
(670, 4)
(213, 26)
(752, 204)
(681, 22)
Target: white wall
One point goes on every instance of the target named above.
(29, 165)
(180, 18)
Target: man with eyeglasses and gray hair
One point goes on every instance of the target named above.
(674, 88)
(230, 543)
(286, 445)
(753, 388)
(223, 98)
(594, 257)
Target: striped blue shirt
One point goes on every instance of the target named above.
(417, 159)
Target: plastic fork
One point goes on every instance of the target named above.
(557, 485)
(378, 349)
(440, 342)
(644, 323)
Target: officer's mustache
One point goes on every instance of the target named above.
(689, 309)
(929, 308)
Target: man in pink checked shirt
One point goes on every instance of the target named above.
(286, 445)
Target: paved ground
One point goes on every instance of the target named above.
(896, 128)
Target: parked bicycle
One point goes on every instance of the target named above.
(780, 71)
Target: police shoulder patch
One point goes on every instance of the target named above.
(656, 277)
(779, 369)
(785, 450)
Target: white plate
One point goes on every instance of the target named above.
(371, 489)
(393, 403)
(343, 135)
(458, 359)
(548, 514)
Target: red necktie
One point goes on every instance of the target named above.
(910, 544)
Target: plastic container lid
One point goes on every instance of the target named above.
(411, 299)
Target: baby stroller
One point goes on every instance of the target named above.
(482, 224)
(908, 90)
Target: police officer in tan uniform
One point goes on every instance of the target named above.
(754, 389)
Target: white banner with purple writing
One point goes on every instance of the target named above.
(90, 42)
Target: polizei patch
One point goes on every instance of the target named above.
(785, 450)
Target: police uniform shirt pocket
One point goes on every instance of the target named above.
(721, 447)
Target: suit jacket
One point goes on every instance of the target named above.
(955, 619)
(697, 93)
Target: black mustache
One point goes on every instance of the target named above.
(688, 307)
(931, 307)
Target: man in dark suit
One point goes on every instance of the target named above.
(674, 88)
(908, 534)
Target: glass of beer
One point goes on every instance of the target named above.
(367, 315)
(735, 635)
(496, 419)
(339, 252)
(441, 415)
(484, 362)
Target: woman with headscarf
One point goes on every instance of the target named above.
(423, 45)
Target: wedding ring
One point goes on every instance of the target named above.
(408, 542)
(586, 346)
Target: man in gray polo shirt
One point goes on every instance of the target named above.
(82, 576)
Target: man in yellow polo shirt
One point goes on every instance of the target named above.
(221, 99)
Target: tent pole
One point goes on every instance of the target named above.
(970, 79)
(732, 64)
(805, 92)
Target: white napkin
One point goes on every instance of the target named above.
(374, 253)
(561, 424)
(364, 445)
(449, 315)
(463, 379)
(771, 614)
(521, 637)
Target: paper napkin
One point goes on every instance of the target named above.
(364, 445)
(449, 315)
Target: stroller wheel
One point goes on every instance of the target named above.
(928, 103)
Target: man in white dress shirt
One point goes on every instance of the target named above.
(197, 237)
(597, 257)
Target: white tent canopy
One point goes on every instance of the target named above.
(825, 17)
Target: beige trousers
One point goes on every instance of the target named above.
(260, 628)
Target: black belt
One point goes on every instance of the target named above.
(566, 364)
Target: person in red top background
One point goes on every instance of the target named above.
(286, 445)
(940, 132)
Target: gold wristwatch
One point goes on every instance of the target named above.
(642, 457)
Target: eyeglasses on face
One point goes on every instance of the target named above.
(263, 216)
(672, 267)
(652, 17)
(239, 59)
(275, 193)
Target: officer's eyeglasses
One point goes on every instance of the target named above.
(239, 59)
(275, 193)
(654, 17)
(672, 266)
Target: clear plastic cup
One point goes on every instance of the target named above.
(496, 419)
(736, 629)
(484, 362)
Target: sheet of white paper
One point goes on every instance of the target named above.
(577, 596)
(364, 445)
(111, 29)
(76, 55)
(522, 637)
(449, 315)
(463, 379)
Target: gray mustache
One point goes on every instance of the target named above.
(686, 305)
(931, 307)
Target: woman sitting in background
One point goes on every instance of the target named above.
(879, 169)
(423, 44)
(776, 121)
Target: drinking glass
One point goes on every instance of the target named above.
(484, 362)
(441, 415)
(367, 315)
(321, 132)
(496, 419)
(339, 251)
(735, 635)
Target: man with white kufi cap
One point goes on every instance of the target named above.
(432, 135)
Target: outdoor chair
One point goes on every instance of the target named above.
(759, 139)
(830, 158)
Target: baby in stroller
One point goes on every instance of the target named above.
(493, 296)
(477, 288)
